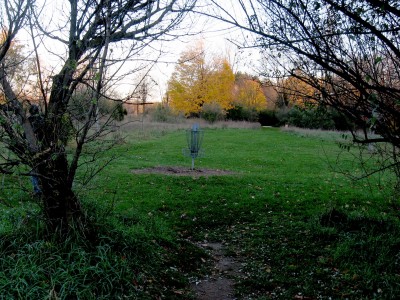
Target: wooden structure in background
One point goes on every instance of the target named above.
(138, 108)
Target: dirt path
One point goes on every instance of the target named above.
(181, 171)
(219, 285)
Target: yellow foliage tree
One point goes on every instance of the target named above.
(196, 82)
(186, 86)
(221, 85)
(297, 92)
(249, 94)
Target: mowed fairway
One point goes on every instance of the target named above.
(300, 228)
(269, 168)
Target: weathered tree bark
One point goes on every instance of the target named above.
(61, 207)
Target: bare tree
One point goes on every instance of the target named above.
(348, 50)
(87, 30)
(13, 15)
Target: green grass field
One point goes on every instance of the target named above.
(300, 228)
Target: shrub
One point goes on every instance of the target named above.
(250, 114)
(119, 112)
(235, 113)
(239, 113)
(163, 113)
(342, 123)
(317, 118)
(268, 118)
(282, 115)
(82, 101)
(212, 112)
(312, 118)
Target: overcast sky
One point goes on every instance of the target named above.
(215, 35)
(216, 43)
(218, 38)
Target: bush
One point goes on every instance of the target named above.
(82, 100)
(239, 113)
(268, 118)
(312, 118)
(163, 113)
(282, 115)
(250, 115)
(342, 123)
(119, 112)
(212, 112)
(235, 113)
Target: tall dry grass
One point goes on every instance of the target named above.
(146, 127)
(333, 135)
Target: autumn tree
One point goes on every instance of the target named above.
(295, 91)
(186, 88)
(249, 93)
(348, 49)
(221, 84)
(196, 82)
(85, 30)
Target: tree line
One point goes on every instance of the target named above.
(206, 86)
(199, 82)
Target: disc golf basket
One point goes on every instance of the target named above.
(194, 139)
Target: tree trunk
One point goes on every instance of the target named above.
(61, 207)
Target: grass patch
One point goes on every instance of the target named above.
(299, 228)
(130, 256)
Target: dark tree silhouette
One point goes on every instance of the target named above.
(87, 30)
(349, 51)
